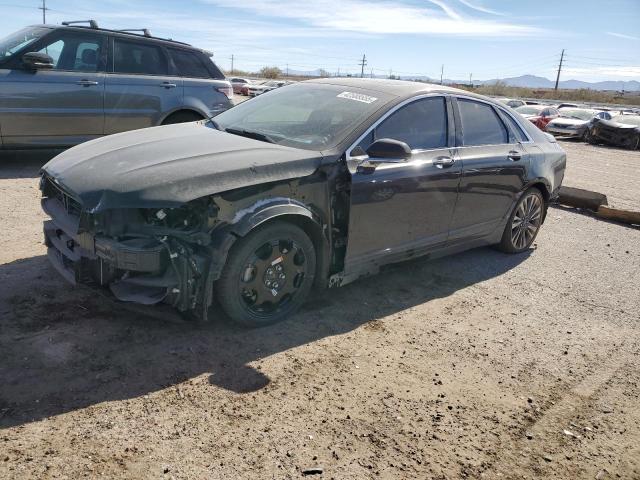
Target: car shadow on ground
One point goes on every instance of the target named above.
(64, 349)
(24, 163)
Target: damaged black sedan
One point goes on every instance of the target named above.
(620, 131)
(314, 184)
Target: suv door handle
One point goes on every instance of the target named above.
(514, 155)
(86, 83)
(443, 162)
(168, 85)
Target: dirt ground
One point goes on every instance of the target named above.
(482, 365)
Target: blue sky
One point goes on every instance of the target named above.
(486, 38)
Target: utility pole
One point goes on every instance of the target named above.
(44, 11)
(470, 82)
(287, 74)
(441, 73)
(362, 64)
(232, 64)
(559, 69)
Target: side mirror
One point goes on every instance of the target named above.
(37, 60)
(389, 151)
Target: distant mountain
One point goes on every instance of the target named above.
(530, 81)
(533, 81)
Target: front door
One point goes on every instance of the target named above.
(494, 169)
(60, 106)
(401, 209)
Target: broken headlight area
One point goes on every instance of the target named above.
(145, 256)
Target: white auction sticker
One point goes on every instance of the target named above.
(358, 97)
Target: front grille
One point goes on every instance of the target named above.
(71, 205)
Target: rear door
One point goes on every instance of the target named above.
(494, 168)
(139, 91)
(60, 106)
(204, 84)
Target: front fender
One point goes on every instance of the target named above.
(249, 218)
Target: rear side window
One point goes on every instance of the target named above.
(421, 124)
(189, 64)
(138, 58)
(480, 124)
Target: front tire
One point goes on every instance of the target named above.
(268, 275)
(524, 222)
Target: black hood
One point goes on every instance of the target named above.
(168, 166)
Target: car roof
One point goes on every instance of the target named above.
(401, 88)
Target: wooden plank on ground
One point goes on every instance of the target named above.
(624, 216)
(579, 198)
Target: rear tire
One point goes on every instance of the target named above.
(524, 222)
(182, 117)
(268, 275)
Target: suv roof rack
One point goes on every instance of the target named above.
(145, 31)
(92, 23)
(130, 31)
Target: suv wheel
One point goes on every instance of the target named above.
(524, 222)
(181, 117)
(268, 275)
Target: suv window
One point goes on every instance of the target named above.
(189, 64)
(73, 52)
(138, 58)
(480, 124)
(422, 124)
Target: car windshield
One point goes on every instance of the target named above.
(303, 115)
(627, 119)
(14, 42)
(577, 113)
(529, 109)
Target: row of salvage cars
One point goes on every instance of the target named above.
(595, 126)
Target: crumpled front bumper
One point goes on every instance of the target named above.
(135, 270)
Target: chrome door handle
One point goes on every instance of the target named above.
(86, 83)
(168, 85)
(514, 155)
(443, 162)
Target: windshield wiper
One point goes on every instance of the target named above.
(249, 134)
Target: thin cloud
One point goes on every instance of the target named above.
(480, 8)
(622, 35)
(386, 17)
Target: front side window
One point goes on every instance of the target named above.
(138, 58)
(77, 53)
(421, 124)
(480, 124)
(188, 64)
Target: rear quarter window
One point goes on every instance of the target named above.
(189, 64)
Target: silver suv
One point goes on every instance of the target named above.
(63, 85)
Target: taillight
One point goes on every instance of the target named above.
(227, 90)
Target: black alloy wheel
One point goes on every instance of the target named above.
(524, 223)
(268, 275)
